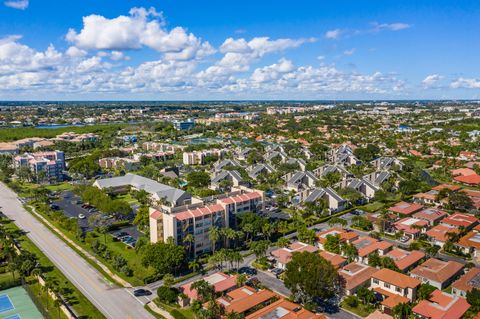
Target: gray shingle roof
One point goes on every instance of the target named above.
(171, 194)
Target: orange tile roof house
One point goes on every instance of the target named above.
(367, 245)
(432, 215)
(394, 288)
(220, 281)
(356, 275)
(377, 314)
(461, 219)
(409, 226)
(462, 172)
(242, 300)
(468, 179)
(405, 259)
(405, 208)
(470, 243)
(430, 197)
(284, 255)
(470, 280)
(345, 236)
(437, 273)
(284, 309)
(438, 235)
(441, 305)
(336, 260)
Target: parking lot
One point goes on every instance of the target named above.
(73, 207)
(349, 216)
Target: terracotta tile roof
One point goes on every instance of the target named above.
(441, 305)
(437, 270)
(460, 219)
(404, 259)
(220, 282)
(240, 305)
(450, 187)
(241, 198)
(394, 300)
(356, 274)
(406, 224)
(283, 255)
(198, 212)
(379, 245)
(430, 214)
(345, 235)
(396, 278)
(405, 208)
(468, 179)
(335, 259)
(466, 283)
(440, 232)
(462, 172)
(156, 215)
(471, 239)
(377, 314)
(286, 310)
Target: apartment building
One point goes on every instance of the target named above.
(198, 157)
(49, 164)
(197, 220)
(118, 163)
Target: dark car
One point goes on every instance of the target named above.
(141, 292)
(247, 270)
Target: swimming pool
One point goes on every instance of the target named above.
(5, 303)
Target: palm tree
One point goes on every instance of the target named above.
(233, 315)
(188, 241)
(283, 242)
(57, 302)
(213, 235)
(36, 272)
(402, 311)
(241, 280)
(194, 265)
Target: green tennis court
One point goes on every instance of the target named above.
(16, 304)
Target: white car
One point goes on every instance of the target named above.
(81, 216)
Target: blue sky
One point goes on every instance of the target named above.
(174, 49)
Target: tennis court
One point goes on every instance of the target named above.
(16, 304)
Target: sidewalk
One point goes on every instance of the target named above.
(104, 268)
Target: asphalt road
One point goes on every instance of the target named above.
(113, 302)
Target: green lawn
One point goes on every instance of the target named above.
(175, 310)
(79, 302)
(60, 187)
(372, 207)
(361, 310)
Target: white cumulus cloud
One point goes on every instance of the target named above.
(17, 4)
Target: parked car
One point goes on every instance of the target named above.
(404, 239)
(81, 216)
(248, 271)
(277, 272)
(141, 292)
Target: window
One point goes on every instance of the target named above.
(397, 289)
(386, 285)
(375, 281)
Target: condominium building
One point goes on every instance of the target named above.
(198, 157)
(197, 220)
(50, 164)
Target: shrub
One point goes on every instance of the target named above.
(351, 301)
(167, 294)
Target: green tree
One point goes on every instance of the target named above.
(402, 311)
(425, 291)
(309, 276)
(198, 179)
(163, 257)
(205, 291)
(332, 244)
(259, 248)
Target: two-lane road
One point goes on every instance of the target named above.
(113, 302)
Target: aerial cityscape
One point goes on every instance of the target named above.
(251, 160)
